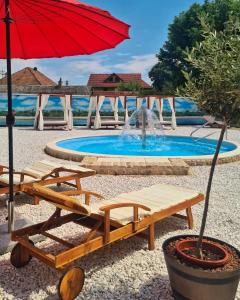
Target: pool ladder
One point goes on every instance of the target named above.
(207, 135)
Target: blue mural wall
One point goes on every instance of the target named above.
(25, 105)
(20, 102)
(182, 105)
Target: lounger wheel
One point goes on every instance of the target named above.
(20, 256)
(71, 283)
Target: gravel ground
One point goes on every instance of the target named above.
(126, 269)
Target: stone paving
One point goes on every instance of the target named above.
(136, 165)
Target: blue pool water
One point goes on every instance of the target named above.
(154, 146)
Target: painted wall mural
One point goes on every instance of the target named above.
(25, 106)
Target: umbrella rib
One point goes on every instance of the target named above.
(105, 16)
(41, 12)
(1, 8)
(39, 28)
(19, 36)
(60, 28)
(96, 10)
(74, 12)
(93, 9)
(90, 32)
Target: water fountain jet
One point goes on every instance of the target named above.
(143, 124)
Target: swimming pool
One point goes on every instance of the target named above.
(153, 146)
(192, 150)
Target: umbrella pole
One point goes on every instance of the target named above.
(9, 119)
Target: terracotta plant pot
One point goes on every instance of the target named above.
(190, 244)
(196, 283)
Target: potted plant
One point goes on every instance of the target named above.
(199, 267)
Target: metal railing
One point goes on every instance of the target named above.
(207, 135)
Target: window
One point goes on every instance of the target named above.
(113, 79)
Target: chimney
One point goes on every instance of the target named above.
(60, 82)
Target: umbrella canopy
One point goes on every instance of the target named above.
(55, 28)
(51, 28)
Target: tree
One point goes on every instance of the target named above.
(132, 86)
(216, 89)
(184, 32)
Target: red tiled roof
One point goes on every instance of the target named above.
(29, 76)
(97, 80)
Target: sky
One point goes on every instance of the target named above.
(149, 20)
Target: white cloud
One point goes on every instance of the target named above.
(138, 64)
(18, 64)
(28, 102)
(51, 103)
(22, 108)
(83, 103)
(79, 98)
(77, 70)
(91, 66)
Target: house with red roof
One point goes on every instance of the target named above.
(110, 82)
(29, 76)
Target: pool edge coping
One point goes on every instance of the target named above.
(52, 149)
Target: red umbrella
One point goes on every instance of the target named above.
(54, 28)
(51, 28)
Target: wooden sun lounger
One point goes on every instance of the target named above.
(55, 123)
(107, 121)
(109, 220)
(44, 173)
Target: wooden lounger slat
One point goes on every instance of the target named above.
(55, 238)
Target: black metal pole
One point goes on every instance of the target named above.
(10, 117)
